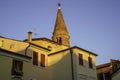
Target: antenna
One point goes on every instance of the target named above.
(35, 31)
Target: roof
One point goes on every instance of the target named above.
(2, 37)
(11, 39)
(71, 49)
(60, 25)
(107, 64)
(103, 65)
(40, 46)
(14, 53)
(109, 67)
(46, 39)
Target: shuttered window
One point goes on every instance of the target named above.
(90, 62)
(42, 60)
(80, 59)
(35, 58)
(17, 67)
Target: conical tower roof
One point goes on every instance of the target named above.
(60, 33)
(60, 25)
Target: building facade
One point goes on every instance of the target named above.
(46, 59)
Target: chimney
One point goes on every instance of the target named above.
(29, 36)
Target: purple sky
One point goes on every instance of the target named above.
(92, 24)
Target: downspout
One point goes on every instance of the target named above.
(27, 49)
(72, 67)
(29, 40)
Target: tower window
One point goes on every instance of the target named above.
(59, 40)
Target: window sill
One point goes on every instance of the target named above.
(38, 66)
(16, 76)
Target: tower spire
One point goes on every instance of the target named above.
(60, 33)
(59, 4)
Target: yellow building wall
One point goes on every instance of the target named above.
(5, 68)
(47, 44)
(83, 71)
(13, 45)
(59, 66)
(60, 63)
(30, 71)
(35, 72)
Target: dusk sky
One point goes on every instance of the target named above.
(93, 25)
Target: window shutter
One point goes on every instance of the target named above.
(13, 67)
(80, 59)
(42, 60)
(100, 76)
(21, 68)
(35, 58)
(90, 62)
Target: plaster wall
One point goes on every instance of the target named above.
(5, 68)
(83, 71)
(13, 45)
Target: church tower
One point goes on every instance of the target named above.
(60, 33)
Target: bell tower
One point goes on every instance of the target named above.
(60, 33)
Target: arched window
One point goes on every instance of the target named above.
(59, 40)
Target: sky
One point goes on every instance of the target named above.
(93, 25)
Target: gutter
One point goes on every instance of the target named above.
(11, 54)
(72, 67)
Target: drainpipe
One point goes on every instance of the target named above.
(27, 49)
(72, 67)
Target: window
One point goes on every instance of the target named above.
(17, 68)
(42, 60)
(80, 59)
(38, 59)
(59, 40)
(90, 62)
(100, 76)
(115, 67)
(35, 58)
(107, 76)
